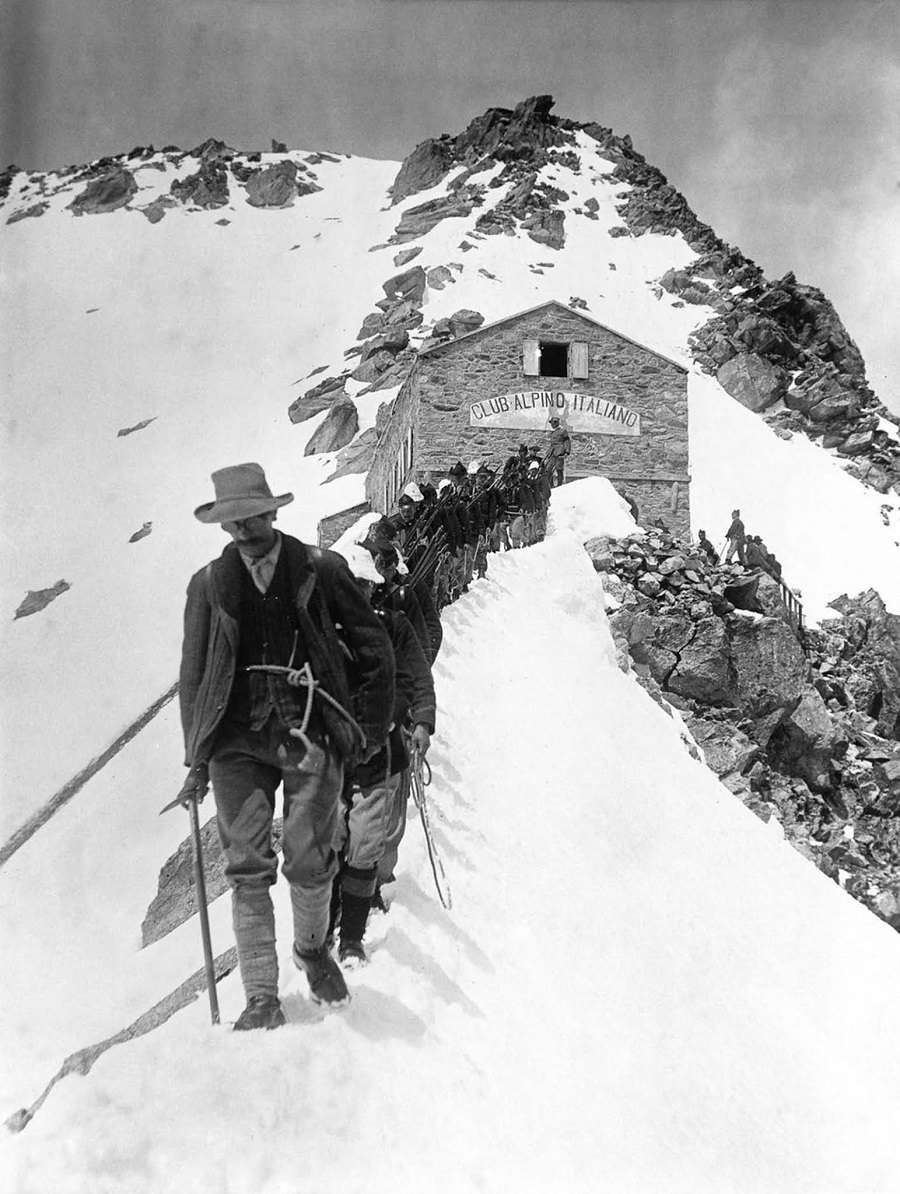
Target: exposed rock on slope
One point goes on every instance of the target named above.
(111, 191)
(337, 429)
(207, 188)
(37, 599)
(801, 725)
(503, 134)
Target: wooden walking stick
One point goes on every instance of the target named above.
(190, 800)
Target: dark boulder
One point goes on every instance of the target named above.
(356, 457)
(547, 228)
(337, 429)
(37, 599)
(111, 191)
(704, 671)
(207, 188)
(25, 213)
(522, 134)
(276, 185)
(319, 398)
(417, 221)
(424, 167)
(771, 670)
(753, 381)
(373, 366)
(464, 321)
(808, 741)
(408, 286)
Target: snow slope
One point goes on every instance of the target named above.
(640, 986)
(211, 330)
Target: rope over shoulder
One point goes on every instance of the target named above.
(302, 677)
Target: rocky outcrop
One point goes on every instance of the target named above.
(753, 381)
(338, 428)
(464, 321)
(319, 398)
(783, 340)
(25, 213)
(860, 655)
(407, 255)
(408, 286)
(530, 204)
(763, 333)
(144, 531)
(519, 134)
(357, 457)
(157, 209)
(278, 185)
(176, 895)
(38, 599)
(417, 221)
(207, 188)
(7, 177)
(802, 725)
(213, 150)
(104, 194)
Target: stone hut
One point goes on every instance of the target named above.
(479, 396)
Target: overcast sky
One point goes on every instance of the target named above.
(779, 120)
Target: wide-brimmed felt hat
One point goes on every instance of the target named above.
(242, 491)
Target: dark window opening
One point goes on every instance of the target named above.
(553, 359)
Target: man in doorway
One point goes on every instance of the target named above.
(266, 700)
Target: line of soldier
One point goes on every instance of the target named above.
(304, 671)
(446, 532)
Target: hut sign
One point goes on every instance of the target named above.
(584, 413)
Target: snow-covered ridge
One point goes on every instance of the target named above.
(603, 1001)
(196, 336)
(203, 333)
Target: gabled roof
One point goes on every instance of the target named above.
(485, 327)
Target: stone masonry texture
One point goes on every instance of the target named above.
(434, 403)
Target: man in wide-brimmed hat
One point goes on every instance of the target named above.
(266, 700)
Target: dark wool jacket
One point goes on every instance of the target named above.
(334, 619)
(413, 701)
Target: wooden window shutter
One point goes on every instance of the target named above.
(578, 359)
(531, 358)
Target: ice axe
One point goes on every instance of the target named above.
(189, 798)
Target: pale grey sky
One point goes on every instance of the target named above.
(779, 120)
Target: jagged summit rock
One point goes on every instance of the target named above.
(778, 347)
(501, 133)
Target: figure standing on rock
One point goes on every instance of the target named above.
(736, 539)
(266, 700)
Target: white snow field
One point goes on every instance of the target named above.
(211, 331)
(640, 987)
